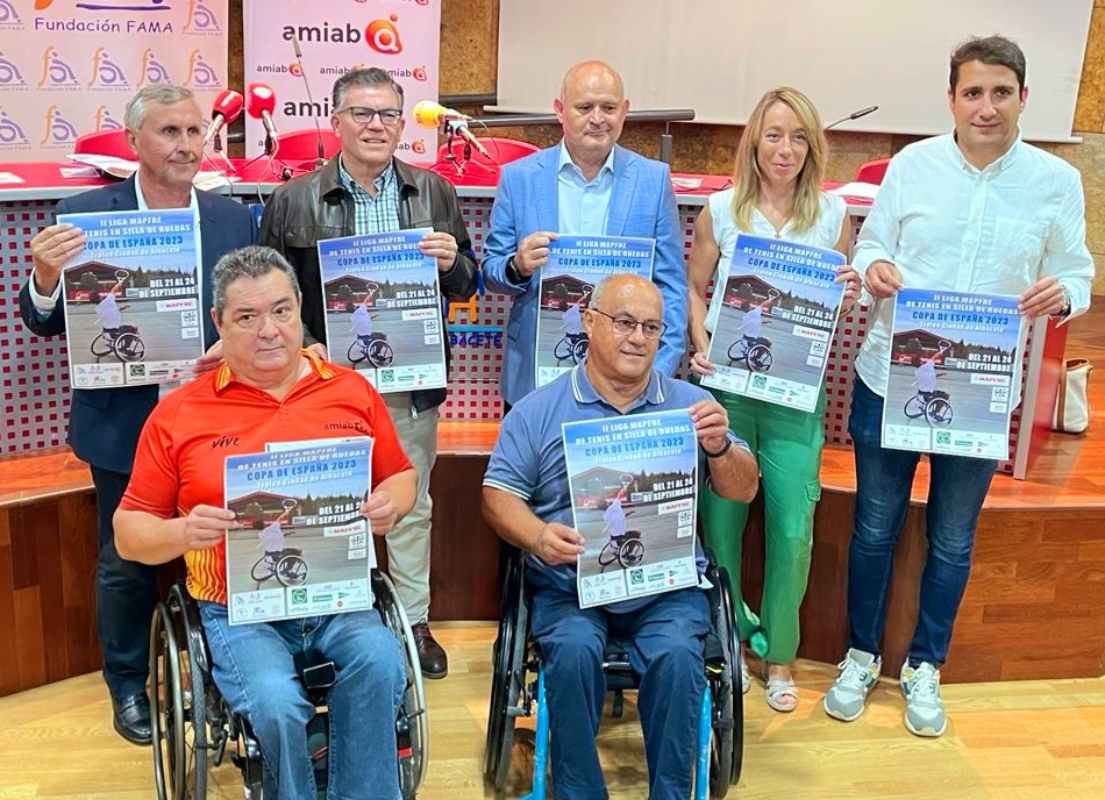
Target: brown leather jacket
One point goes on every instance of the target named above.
(315, 206)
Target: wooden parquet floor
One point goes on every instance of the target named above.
(1016, 739)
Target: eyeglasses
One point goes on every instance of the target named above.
(364, 116)
(624, 325)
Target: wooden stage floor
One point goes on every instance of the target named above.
(1015, 739)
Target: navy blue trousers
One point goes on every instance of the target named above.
(665, 641)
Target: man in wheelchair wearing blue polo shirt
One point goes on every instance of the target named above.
(526, 499)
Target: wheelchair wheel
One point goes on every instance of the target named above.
(736, 352)
(356, 352)
(101, 345)
(291, 571)
(129, 347)
(177, 711)
(262, 569)
(563, 349)
(632, 551)
(608, 555)
(728, 739)
(938, 411)
(380, 353)
(508, 678)
(759, 358)
(413, 724)
(579, 350)
(914, 406)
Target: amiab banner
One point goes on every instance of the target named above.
(68, 67)
(401, 37)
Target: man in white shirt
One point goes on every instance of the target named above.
(977, 210)
(108, 313)
(573, 321)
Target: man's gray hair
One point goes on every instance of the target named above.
(162, 93)
(254, 261)
(365, 76)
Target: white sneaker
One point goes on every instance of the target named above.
(924, 708)
(859, 671)
(746, 676)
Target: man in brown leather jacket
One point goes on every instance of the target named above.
(365, 189)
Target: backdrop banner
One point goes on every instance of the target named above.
(68, 67)
(400, 36)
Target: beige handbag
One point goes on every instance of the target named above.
(1072, 406)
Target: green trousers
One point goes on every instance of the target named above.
(787, 443)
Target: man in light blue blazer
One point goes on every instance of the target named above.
(586, 185)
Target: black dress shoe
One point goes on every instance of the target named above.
(435, 664)
(132, 717)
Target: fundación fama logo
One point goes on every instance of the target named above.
(153, 71)
(201, 75)
(10, 76)
(11, 133)
(56, 72)
(9, 17)
(105, 122)
(58, 131)
(106, 73)
(201, 19)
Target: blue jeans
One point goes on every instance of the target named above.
(957, 489)
(665, 648)
(254, 668)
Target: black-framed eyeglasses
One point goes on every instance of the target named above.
(625, 325)
(362, 115)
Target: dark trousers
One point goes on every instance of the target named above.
(126, 593)
(665, 648)
(957, 489)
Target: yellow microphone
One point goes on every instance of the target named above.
(428, 114)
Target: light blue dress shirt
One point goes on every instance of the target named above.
(583, 206)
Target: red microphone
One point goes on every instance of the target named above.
(260, 102)
(227, 108)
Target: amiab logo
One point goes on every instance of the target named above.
(153, 71)
(201, 19)
(106, 73)
(383, 37)
(58, 130)
(200, 74)
(9, 17)
(418, 146)
(11, 133)
(56, 72)
(10, 76)
(105, 122)
(420, 74)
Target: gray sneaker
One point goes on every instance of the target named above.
(924, 708)
(859, 671)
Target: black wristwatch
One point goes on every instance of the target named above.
(1064, 312)
(512, 273)
(721, 452)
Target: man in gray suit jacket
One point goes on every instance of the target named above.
(586, 185)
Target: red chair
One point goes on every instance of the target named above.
(872, 171)
(302, 145)
(105, 143)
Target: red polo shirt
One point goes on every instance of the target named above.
(185, 442)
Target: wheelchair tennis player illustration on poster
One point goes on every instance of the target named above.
(367, 343)
(573, 345)
(279, 561)
(752, 347)
(116, 339)
(929, 402)
(623, 546)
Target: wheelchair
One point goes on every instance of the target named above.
(193, 726)
(518, 689)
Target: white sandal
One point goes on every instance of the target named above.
(782, 694)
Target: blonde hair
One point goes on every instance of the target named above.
(746, 170)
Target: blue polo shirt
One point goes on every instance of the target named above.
(528, 460)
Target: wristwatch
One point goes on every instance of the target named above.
(721, 452)
(512, 273)
(1064, 312)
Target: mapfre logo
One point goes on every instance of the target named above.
(382, 35)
